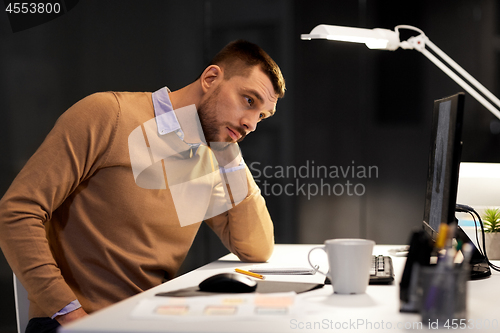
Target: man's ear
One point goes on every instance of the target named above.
(210, 77)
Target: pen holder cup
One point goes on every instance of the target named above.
(444, 295)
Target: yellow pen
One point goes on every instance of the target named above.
(255, 275)
(442, 235)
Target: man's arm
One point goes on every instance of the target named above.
(247, 229)
(71, 152)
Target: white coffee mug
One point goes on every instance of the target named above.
(350, 261)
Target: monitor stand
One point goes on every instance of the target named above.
(479, 265)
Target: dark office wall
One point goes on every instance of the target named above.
(344, 103)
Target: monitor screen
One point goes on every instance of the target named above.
(444, 162)
(443, 172)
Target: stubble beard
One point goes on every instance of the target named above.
(207, 113)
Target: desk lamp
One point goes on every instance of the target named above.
(385, 39)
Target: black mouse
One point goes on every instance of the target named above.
(228, 283)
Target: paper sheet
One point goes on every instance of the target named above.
(282, 270)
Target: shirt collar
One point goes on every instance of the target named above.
(166, 120)
(169, 120)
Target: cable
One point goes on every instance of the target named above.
(477, 237)
(467, 209)
(472, 212)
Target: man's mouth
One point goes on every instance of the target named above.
(235, 135)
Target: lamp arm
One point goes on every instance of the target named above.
(419, 43)
(463, 72)
(460, 81)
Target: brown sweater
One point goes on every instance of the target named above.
(74, 224)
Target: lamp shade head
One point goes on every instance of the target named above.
(373, 38)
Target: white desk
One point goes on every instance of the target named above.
(379, 307)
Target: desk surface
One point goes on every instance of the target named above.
(321, 310)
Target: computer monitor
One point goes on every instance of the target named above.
(444, 163)
(442, 177)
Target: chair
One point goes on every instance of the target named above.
(22, 305)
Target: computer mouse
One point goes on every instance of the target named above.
(228, 283)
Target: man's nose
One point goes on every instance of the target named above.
(250, 120)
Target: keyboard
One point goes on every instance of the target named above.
(381, 271)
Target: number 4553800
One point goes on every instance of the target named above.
(33, 8)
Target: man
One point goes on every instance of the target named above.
(82, 231)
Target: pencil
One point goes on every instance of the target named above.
(255, 275)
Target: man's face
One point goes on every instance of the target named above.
(235, 106)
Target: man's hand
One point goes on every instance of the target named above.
(69, 317)
(225, 153)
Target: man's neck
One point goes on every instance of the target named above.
(190, 94)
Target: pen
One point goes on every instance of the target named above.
(442, 236)
(255, 275)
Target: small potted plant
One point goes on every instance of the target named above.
(491, 221)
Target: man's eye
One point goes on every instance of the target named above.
(249, 100)
(262, 116)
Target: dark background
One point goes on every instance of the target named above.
(345, 104)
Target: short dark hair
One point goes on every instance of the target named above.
(240, 56)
